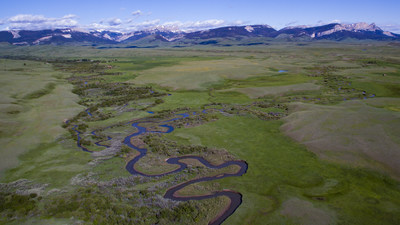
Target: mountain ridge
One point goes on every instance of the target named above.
(333, 31)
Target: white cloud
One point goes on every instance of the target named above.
(27, 18)
(148, 24)
(395, 28)
(70, 16)
(321, 22)
(114, 22)
(137, 13)
(132, 25)
(292, 23)
(98, 26)
(206, 24)
(37, 22)
(237, 23)
(195, 25)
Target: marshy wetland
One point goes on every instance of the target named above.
(300, 134)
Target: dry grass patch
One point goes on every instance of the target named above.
(155, 164)
(351, 132)
(304, 212)
(255, 92)
(200, 74)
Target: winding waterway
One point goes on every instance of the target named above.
(171, 193)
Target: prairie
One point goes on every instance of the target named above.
(321, 139)
(35, 102)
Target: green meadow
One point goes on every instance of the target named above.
(317, 123)
(281, 170)
(36, 100)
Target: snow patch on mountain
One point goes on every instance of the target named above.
(355, 27)
(249, 29)
(67, 35)
(267, 26)
(15, 33)
(361, 27)
(21, 43)
(107, 37)
(81, 30)
(123, 37)
(42, 39)
(387, 33)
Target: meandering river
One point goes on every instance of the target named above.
(171, 193)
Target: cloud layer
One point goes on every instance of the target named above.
(135, 22)
(132, 24)
(137, 13)
(395, 27)
(36, 22)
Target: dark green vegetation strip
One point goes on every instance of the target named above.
(100, 206)
(381, 89)
(145, 63)
(265, 81)
(39, 93)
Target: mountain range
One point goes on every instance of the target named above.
(225, 36)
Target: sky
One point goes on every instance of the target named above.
(131, 15)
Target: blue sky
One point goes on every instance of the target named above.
(127, 15)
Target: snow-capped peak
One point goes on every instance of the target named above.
(360, 26)
(354, 27)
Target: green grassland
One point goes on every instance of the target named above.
(280, 169)
(353, 131)
(35, 101)
(321, 139)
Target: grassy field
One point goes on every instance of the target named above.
(256, 92)
(200, 75)
(318, 125)
(281, 171)
(355, 132)
(35, 102)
